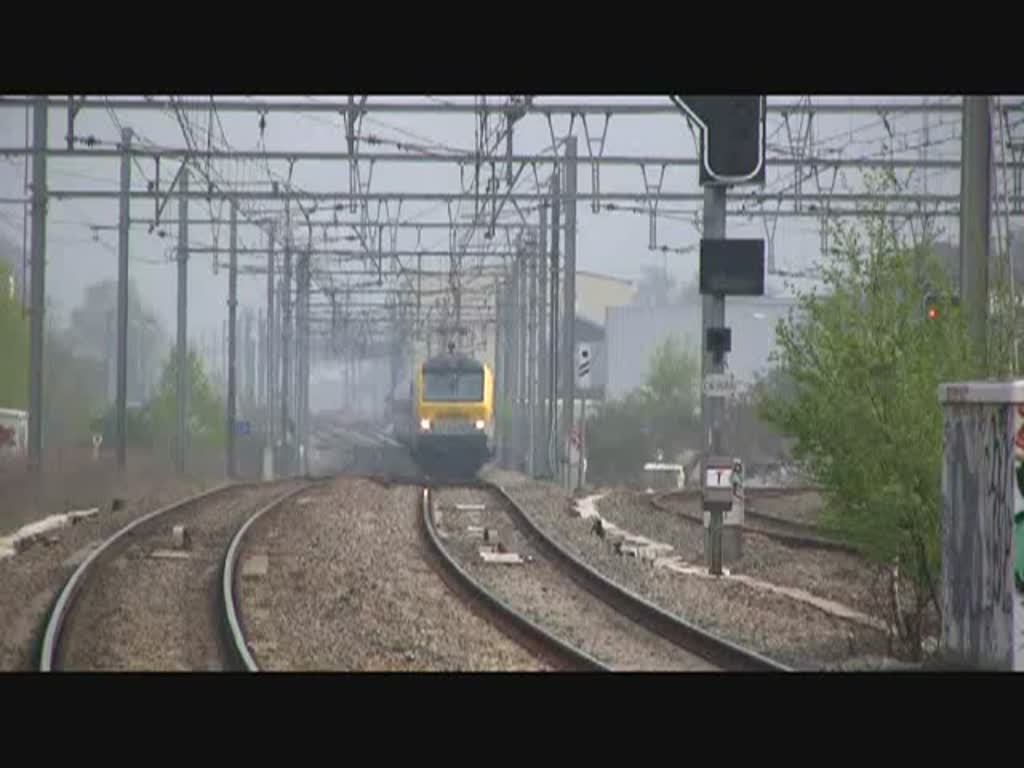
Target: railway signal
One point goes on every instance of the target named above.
(732, 145)
(934, 305)
(732, 152)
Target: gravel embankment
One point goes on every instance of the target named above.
(839, 576)
(74, 480)
(776, 626)
(31, 580)
(348, 587)
(142, 612)
(799, 508)
(547, 596)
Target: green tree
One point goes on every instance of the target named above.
(14, 342)
(660, 416)
(1004, 323)
(207, 414)
(74, 389)
(863, 364)
(669, 400)
(747, 433)
(93, 332)
(618, 442)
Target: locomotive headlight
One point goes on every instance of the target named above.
(480, 424)
(425, 424)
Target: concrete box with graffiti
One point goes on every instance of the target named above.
(983, 524)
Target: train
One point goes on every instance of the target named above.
(448, 421)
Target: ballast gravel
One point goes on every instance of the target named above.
(154, 607)
(779, 627)
(31, 580)
(547, 596)
(839, 576)
(348, 588)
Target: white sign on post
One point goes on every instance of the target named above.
(719, 478)
(719, 384)
(583, 365)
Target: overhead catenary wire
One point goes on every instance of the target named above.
(238, 170)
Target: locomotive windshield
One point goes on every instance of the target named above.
(451, 386)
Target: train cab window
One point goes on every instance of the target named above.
(452, 386)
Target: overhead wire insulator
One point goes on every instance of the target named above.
(595, 165)
(653, 193)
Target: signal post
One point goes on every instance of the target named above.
(732, 152)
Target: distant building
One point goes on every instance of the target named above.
(633, 333)
(595, 293)
(949, 257)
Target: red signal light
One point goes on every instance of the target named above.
(933, 312)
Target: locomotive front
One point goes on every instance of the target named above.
(454, 413)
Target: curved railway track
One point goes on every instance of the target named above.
(114, 555)
(720, 653)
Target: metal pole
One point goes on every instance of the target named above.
(303, 383)
(122, 298)
(38, 278)
(517, 359)
(260, 395)
(250, 364)
(286, 344)
(271, 369)
(181, 443)
(520, 282)
(419, 292)
(975, 201)
(554, 448)
(306, 364)
(713, 315)
(244, 361)
(524, 356)
(260, 355)
(241, 363)
(499, 372)
(510, 368)
(278, 358)
(521, 356)
(108, 366)
(531, 361)
(543, 385)
(232, 326)
(222, 351)
(569, 313)
(297, 367)
(501, 343)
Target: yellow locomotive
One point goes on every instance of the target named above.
(451, 424)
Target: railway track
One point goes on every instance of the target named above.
(785, 531)
(133, 604)
(514, 624)
(622, 628)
